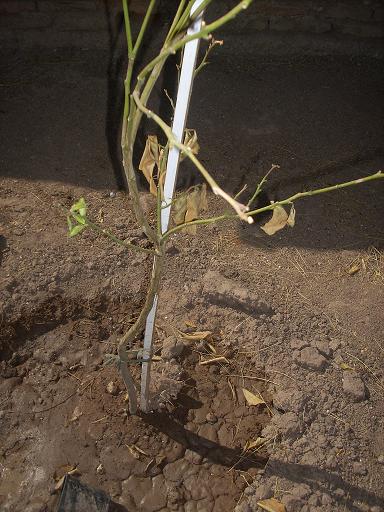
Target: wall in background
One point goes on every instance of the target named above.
(277, 26)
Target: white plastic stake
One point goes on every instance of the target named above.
(178, 127)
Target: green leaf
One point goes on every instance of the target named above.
(77, 229)
(69, 222)
(80, 207)
(79, 218)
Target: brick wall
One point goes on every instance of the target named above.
(309, 25)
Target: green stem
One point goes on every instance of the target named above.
(144, 26)
(289, 200)
(315, 192)
(128, 30)
(118, 241)
(175, 21)
(197, 222)
(260, 185)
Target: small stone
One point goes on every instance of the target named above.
(193, 457)
(334, 345)
(156, 498)
(289, 400)
(311, 358)
(263, 492)
(292, 503)
(208, 434)
(380, 459)
(112, 388)
(353, 386)
(211, 418)
(359, 469)
(112, 194)
(323, 347)
(301, 491)
(297, 344)
(100, 469)
(290, 424)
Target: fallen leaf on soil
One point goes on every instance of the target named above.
(148, 161)
(112, 389)
(251, 398)
(135, 451)
(345, 366)
(211, 348)
(250, 445)
(272, 505)
(67, 469)
(279, 220)
(100, 469)
(59, 484)
(188, 323)
(198, 335)
(232, 390)
(76, 414)
(353, 269)
(220, 359)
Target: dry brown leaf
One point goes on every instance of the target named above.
(232, 390)
(250, 445)
(76, 414)
(278, 221)
(353, 269)
(220, 359)
(272, 505)
(198, 335)
(190, 140)
(345, 366)
(291, 217)
(66, 469)
(59, 484)
(188, 323)
(193, 209)
(211, 348)
(251, 398)
(148, 161)
(135, 451)
(179, 209)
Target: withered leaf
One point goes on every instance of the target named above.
(148, 161)
(190, 140)
(251, 445)
(272, 505)
(198, 335)
(291, 217)
(278, 221)
(179, 209)
(251, 398)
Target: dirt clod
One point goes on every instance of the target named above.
(353, 386)
(310, 357)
